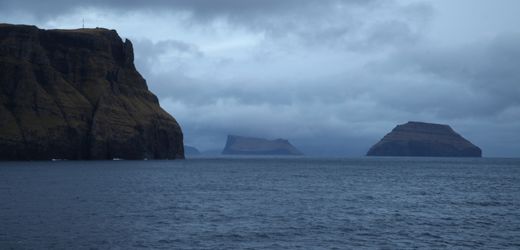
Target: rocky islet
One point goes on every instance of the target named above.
(424, 139)
(240, 145)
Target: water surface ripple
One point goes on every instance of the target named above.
(288, 203)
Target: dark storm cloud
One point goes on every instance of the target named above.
(338, 23)
(325, 22)
(200, 8)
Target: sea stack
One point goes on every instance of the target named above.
(76, 94)
(239, 145)
(424, 139)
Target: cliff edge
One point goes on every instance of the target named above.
(424, 139)
(76, 94)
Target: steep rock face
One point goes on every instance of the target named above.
(424, 139)
(238, 145)
(75, 94)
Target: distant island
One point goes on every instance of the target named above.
(424, 139)
(240, 145)
(191, 151)
(76, 94)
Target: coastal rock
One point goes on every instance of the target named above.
(424, 139)
(189, 150)
(76, 94)
(239, 145)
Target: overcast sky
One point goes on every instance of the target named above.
(331, 76)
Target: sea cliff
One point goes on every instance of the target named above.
(76, 94)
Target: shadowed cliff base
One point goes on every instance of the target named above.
(424, 139)
(76, 94)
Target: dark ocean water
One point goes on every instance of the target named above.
(299, 203)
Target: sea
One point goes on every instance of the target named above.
(262, 203)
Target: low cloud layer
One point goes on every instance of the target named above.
(331, 76)
(199, 8)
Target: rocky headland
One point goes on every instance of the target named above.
(239, 145)
(76, 94)
(424, 139)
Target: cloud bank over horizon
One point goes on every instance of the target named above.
(332, 76)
